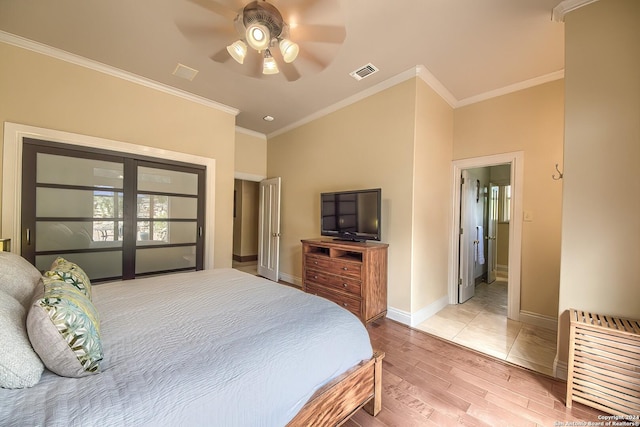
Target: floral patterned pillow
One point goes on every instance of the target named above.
(64, 329)
(71, 273)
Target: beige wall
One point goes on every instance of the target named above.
(531, 121)
(601, 224)
(251, 154)
(431, 197)
(368, 144)
(41, 91)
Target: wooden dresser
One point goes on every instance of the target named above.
(351, 274)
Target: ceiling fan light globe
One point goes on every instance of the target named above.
(289, 50)
(269, 65)
(238, 51)
(258, 36)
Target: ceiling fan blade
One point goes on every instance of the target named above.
(206, 32)
(318, 33)
(221, 56)
(303, 5)
(217, 8)
(313, 59)
(252, 66)
(289, 71)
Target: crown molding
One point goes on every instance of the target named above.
(419, 71)
(390, 82)
(557, 75)
(425, 75)
(250, 132)
(567, 6)
(62, 55)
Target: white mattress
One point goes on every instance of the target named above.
(216, 347)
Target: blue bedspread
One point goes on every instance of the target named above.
(216, 348)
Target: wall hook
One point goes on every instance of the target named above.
(559, 174)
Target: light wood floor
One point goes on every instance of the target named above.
(428, 381)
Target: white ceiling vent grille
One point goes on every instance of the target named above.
(364, 71)
(185, 72)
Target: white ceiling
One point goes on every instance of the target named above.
(466, 49)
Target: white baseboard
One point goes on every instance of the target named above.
(414, 319)
(560, 369)
(539, 320)
(428, 311)
(291, 279)
(401, 316)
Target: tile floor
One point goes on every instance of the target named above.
(481, 324)
(248, 267)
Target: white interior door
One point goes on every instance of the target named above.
(492, 234)
(269, 229)
(467, 239)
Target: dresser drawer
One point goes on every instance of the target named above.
(335, 266)
(345, 284)
(350, 303)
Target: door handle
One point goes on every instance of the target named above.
(275, 234)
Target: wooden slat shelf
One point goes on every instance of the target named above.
(604, 363)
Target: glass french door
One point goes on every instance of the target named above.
(115, 216)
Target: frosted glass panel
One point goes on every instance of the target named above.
(159, 259)
(64, 203)
(166, 232)
(97, 265)
(167, 181)
(153, 206)
(54, 169)
(52, 236)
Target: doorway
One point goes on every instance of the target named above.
(516, 162)
(478, 323)
(485, 210)
(245, 225)
(256, 227)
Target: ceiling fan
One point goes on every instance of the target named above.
(263, 42)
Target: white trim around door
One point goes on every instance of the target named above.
(516, 159)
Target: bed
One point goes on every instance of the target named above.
(212, 347)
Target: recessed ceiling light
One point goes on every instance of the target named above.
(268, 118)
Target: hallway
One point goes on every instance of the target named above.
(481, 324)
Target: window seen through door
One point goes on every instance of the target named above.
(505, 203)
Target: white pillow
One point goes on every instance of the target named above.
(18, 277)
(20, 366)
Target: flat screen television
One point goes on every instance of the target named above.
(351, 215)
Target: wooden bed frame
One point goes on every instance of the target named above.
(337, 401)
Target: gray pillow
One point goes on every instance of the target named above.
(20, 366)
(64, 329)
(18, 278)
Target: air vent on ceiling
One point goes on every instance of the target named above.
(185, 72)
(364, 71)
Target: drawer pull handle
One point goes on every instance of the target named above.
(344, 303)
(315, 277)
(345, 285)
(315, 262)
(345, 268)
